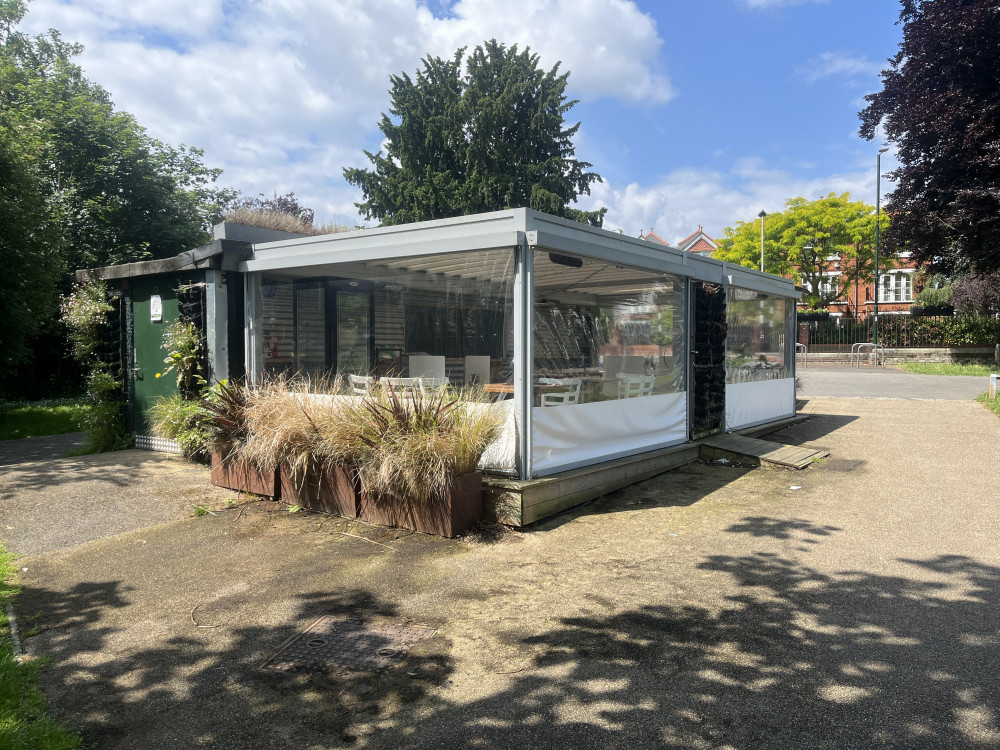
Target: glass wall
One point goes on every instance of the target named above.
(758, 340)
(609, 361)
(760, 358)
(616, 331)
(447, 316)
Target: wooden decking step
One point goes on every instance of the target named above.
(765, 450)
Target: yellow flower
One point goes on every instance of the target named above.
(159, 374)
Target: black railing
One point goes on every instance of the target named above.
(899, 331)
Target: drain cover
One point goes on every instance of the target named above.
(337, 642)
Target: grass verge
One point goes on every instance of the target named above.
(24, 722)
(21, 419)
(943, 368)
(993, 404)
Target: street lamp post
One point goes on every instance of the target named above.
(762, 214)
(878, 211)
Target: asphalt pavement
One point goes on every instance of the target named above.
(853, 604)
(878, 382)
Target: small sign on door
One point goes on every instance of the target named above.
(155, 309)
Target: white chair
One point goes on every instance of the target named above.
(401, 385)
(571, 394)
(477, 370)
(426, 366)
(361, 384)
(634, 386)
(431, 385)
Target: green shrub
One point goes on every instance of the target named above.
(936, 293)
(180, 419)
(185, 355)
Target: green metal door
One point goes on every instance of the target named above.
(147, 340)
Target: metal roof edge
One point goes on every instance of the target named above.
(475, 232)
(231, 252)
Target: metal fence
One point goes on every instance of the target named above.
(899, 331)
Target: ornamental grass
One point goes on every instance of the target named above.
(402, 445)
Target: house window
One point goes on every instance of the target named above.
(895, 287)
(827, 287)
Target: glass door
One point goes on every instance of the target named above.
(310, 328)
(354, 341)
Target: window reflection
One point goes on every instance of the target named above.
(757, 339)
(605, 332)
(446, 317)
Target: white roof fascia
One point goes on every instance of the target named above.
(501, 229)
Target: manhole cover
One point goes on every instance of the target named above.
(337, 642)
(840, 464)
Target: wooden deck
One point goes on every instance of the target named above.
(763, 450)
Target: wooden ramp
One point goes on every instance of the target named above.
(762, 450)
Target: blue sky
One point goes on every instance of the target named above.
(693, 112)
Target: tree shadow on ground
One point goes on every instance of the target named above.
(116, 468)
(204, 689)
(790, 656)
(686, 485)
(815, 427)
(796, 658)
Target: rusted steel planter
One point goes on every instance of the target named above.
(235, 473)
(459, 510)
(329, 491)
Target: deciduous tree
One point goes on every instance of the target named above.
(489, 139)
(940, 105)
(807, 241)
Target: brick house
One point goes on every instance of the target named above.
(896, 288)
(896, 280)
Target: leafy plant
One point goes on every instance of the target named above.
(183, 420)
(185, 354)
(294, 508)
(936, 293)
(85, 313)
(223, 414)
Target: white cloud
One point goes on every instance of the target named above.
(284, 93)
(838, 64)
(681, 200)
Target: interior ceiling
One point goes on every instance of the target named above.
(553, 281)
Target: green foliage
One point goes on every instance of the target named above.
(185, 355)
(31, 264)
(81, 185)
(180, 419)
(24, 722)
(84, 312)
(993, 404)
(801, 241)
(224, 415)
(940, 106)
(936, 292)
(947, 368)
(35, 418)
(486, 141)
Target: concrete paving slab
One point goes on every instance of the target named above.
(852, 604)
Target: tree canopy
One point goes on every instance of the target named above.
(83, 184)
(491, 139)
(799, 241)
(940, 105)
